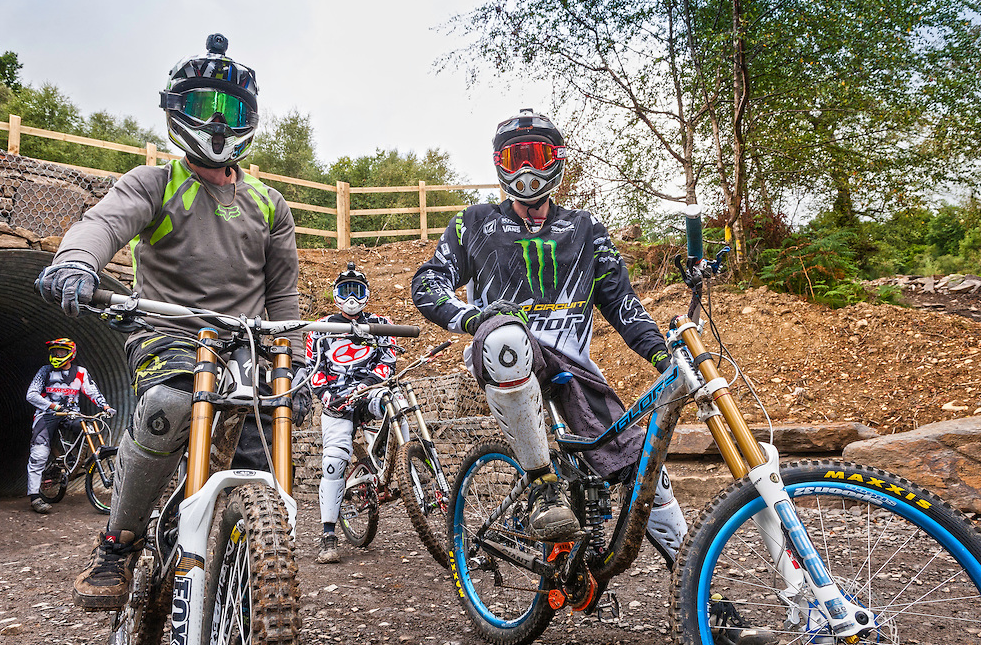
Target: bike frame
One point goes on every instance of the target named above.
(92, 434)
(238, 390)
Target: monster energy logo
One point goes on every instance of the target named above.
(535, 251)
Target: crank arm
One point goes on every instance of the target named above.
(519, 558)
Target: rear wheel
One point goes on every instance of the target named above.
(425, 501)
(359, 508)
(100, 471)
(252, 594)
(507, 604)
(54, 483)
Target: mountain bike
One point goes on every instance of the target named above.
(806, 552)
(227, 574)
(88, 453)
(415, 466)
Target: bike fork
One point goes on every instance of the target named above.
(797, 560)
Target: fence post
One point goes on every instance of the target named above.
(253, 170)
(13, 138)
(423, 214)
(151, 154)
(343, 215)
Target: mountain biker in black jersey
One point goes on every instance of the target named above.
(340, 366)
(533, 271)
(204, 234)
(56, 387)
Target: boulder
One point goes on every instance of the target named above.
(944, 457)
(696, 440)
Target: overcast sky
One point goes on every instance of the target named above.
(362, 70)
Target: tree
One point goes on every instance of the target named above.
(125, 130)
(10, 71)
(49, 109)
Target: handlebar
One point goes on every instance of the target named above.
(693, 232)
(78, 414)
(136, 305)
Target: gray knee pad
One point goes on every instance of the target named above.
(666, 527)
(140, 478)
(332, 483)
(162, 420)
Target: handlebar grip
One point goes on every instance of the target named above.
(403, 331)
(693, 230)
(102, 297)
(439, 348)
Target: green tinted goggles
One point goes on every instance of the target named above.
(201, 105)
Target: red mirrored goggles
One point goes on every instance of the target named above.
(537, 154)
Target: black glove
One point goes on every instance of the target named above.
(68, 284)
(302, 398)
(496, 308)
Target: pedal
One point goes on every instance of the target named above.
(608, 608)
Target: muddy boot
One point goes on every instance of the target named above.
(104, 585)
(38, 505)
(328, 550)
(550, 516)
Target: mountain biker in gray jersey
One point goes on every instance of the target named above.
(204, 234)
(56, 387)
(533, 272)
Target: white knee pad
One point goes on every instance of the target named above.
(332, 483)
(338, 433)
(666, 527)
(518, 411)
(162, 420)
(507, 355)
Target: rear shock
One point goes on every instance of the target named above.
(598, 509)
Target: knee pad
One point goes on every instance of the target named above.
(666, 527)
(162, 420)
(334, 462)
(518, 411)
(507, 355)
(331, 493)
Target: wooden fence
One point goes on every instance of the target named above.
(343, 212)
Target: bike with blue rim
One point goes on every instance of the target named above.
(806, 552)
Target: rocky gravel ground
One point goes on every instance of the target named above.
(390, 592)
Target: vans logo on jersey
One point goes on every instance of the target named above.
(227, 213)
(539, 257)
(510, 228)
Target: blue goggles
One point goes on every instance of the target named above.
(345, 290)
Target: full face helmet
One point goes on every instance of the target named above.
(61, 351)
(529, 154)
(351, 291)
(211, 106)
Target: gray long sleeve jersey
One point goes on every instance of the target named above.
(191, 249)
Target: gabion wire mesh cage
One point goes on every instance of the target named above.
(46, 198)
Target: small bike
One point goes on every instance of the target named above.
(809, 552)
(88, 453)
(219, 557)
(416, 467)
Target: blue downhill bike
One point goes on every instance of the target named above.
(808, 552)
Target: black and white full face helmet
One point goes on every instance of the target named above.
(529, 154)
(211, 106)
(351, 291)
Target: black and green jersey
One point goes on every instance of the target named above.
(556, 274)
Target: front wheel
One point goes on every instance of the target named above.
(100, 471)
(890, 546)
(252, 594)
(425, 500)
(507, 604)
(359, 508)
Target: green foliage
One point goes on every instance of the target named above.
(946, 230)
(49, 109)
(125, 130)
(819, 268)
(10, 71)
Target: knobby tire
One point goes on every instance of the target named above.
(99, 492)
(252, 594)
(424, 502)
(890, 545)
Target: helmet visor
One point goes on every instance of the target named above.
(60, 352)
(203, 104)
(536, 154)
(345, 290)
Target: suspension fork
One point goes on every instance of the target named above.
(282, 428)
(780, 527)
(425, 437)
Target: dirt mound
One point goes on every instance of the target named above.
(891, 368)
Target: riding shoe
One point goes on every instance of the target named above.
(40, 506)
(328, 550)
(104, 585)
(550, 515)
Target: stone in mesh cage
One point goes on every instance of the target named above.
(46, 198)
(450, 396)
